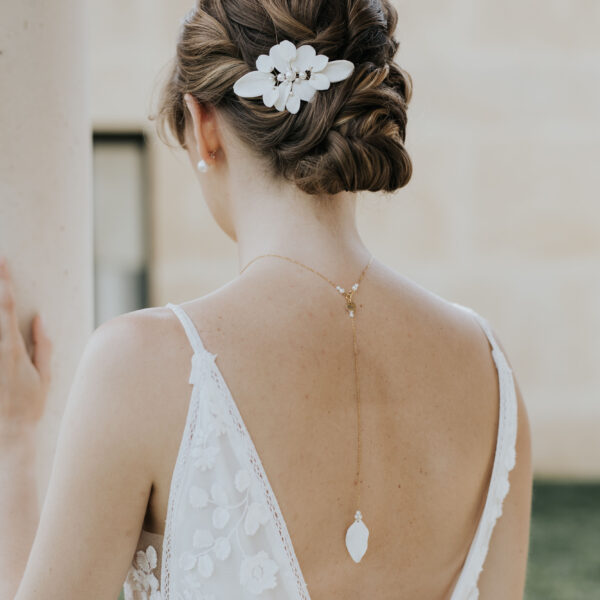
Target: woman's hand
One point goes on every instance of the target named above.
(24, 375)
(24, 382)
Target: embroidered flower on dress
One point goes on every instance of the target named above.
(301, 73)
(205, 566)
(222, 548)
(201, 564)
(205, 456)
(242, 480)
(257, 573)
(220, 517)
(257, 515)
(220, 422)
(140, 578)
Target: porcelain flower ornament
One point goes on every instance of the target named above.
(301, 72)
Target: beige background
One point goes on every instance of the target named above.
(502, 213)
(45, 185)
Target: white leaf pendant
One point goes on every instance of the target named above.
(357, 537)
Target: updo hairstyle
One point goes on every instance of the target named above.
(350, 137)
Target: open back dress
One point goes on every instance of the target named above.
(225, 536)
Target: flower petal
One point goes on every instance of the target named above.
(257, 573)
(152, 557)
(282, 54)
(220, 517)
(141, 561)
(304, 90)
(336, 70)
(222, 548)
(242, 480)
(284, 90)
(265, 63)
(304, 58)
(319, 62)
(269, 97)
(253, 84)
(203, 538)
(251, 523)
(293, 101)
(319, 81)
(205, 565)
(257, 514)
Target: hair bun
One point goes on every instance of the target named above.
(364, 147)
(350, 137)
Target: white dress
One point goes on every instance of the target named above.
(225, 536)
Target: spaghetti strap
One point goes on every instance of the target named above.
(189, 327)
(504, 461)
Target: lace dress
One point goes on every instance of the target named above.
(225, 536)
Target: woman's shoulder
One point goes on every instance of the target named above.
(139, 362)
(461, 326)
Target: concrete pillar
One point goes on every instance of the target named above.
(45, 184)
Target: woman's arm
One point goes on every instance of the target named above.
(18, 506)
(100, 481)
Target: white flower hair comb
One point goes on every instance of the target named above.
(301, 73)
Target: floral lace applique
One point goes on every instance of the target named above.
(257, 572)
(210, 545)
(141, 583)
(225, 537)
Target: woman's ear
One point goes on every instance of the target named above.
(203, 127)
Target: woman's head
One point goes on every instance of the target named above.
(350, 137)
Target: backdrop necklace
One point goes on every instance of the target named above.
(357, 534)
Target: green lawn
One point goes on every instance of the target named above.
(564, 550)
(564, 553)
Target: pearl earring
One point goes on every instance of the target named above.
(203, 166)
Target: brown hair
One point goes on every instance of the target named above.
(351, 137)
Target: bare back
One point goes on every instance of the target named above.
(429, 416)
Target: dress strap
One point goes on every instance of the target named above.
(504, 461)
(189, 327)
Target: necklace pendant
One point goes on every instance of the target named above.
(357, 537)
(350, 305)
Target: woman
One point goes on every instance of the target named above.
(320, 427)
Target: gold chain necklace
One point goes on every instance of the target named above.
(357, 534)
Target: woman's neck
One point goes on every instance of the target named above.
(322, 235)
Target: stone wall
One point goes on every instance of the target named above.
(502, 213)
